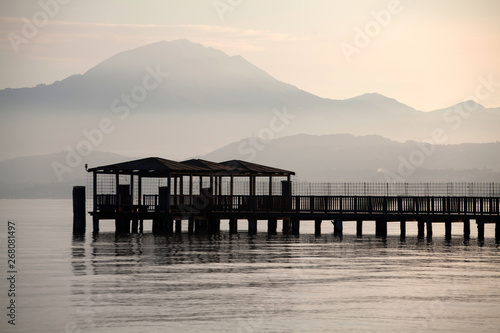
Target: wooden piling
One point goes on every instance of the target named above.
(287, 226)
(95, 225)
(466, 229)
(497, 231)
(447, 230)
(421, 228)
(233, 225)
(295, 226)
(252, 226)
(338, 227)
(381, 228)
(135, 225)
(141, 226)
(191, 225)
(428, 224)
(317, 227)
(79, 210)
(272, 225)
(178, 226)
(480, 230)
(213, 225)
(402, 228)
(359, 228)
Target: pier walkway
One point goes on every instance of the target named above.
(204, 193)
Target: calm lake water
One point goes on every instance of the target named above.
(183, 283)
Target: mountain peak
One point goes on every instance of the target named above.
(382, 101)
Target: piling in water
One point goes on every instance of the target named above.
(78, 210)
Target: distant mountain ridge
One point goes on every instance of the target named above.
(172, 88)
(325, 158)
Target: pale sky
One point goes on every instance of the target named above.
(428, 54)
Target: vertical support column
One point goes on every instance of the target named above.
(421, 228)
(295, 226)
(447, 229)
(197, 226)
(338, 227)
(466, 229)
(213, 225)
(252, 226)
(317, 227)
(287, 226)
(233, 225)
(169, 224)
(141, 226)
(359, 228)
(135, 225)
(178, 226)
(428, 224)
(480, 230)
(95, 223)
(272, 224)
(139, 192)
(191, 225)
(381, 228)
(497, 231)
(94, 192)
(402, 228)
(79, 210)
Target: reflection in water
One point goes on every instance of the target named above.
(258, 283)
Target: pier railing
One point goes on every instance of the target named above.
(359, 205)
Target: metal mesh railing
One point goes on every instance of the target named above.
(398, 189)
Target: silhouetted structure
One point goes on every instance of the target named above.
(204, 192)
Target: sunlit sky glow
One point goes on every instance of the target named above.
(429, 55)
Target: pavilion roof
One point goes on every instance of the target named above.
(157, 167)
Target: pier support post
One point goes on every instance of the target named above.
(287, 226)
(178, 226)
(79, 210)
(421, 228)
(191, 225)
(169, 224)
(338, 227)
(466, 229)
(402, 228)
(95, 222)
(447, 230)
(122, 226)
(252, 226)
(480, 230)
(135, 225)
(381, 228)
(359, 228)
(497, 231)
(213, 225)
(428, 224)
(141, 226)
(295, 225)
(317, 227)
(272, 224)
(233, 225)
(155, 226)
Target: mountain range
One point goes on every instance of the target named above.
(180, 99)
(328, 158)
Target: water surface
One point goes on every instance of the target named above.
(239, 283)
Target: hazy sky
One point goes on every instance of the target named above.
(428, 54)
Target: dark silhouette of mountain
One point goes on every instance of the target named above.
(187, 77)
(344, 157)
(318, 158)
(179, 87)
(36, 176)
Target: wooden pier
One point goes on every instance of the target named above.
(204, 193)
